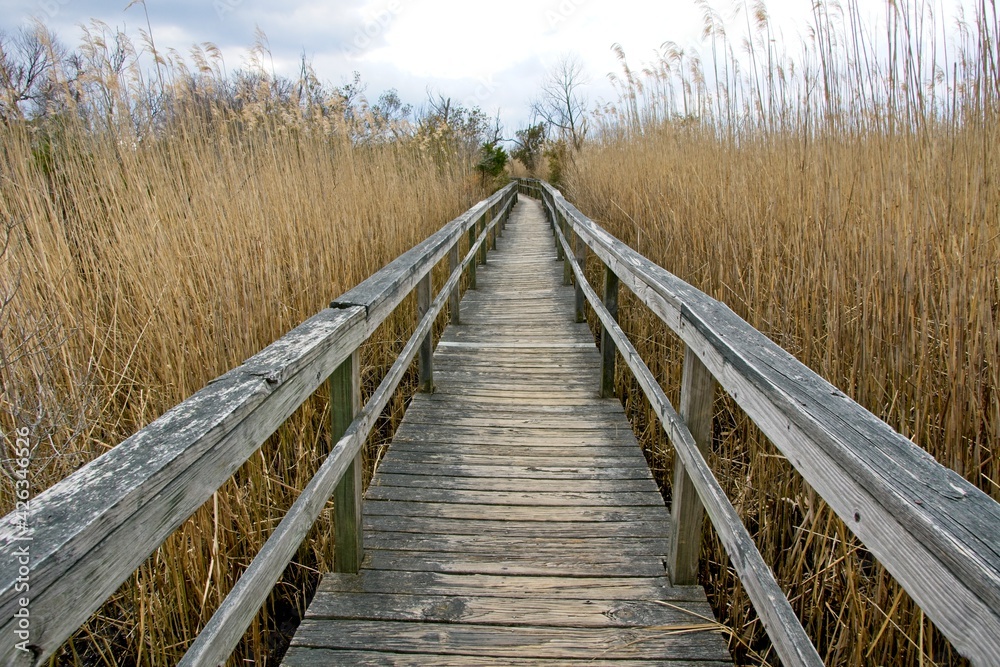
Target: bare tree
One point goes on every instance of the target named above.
(560, 103)
(26, 63)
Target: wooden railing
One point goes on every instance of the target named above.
(936, 533)
(87, 534)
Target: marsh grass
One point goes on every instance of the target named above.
(847, 205)
(152, 247)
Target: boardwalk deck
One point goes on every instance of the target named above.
(514, 519)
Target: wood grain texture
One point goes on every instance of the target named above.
(345, 404)
(936, 533)
(339, 475)
(93, 529)
(511, 499)
(697, 401)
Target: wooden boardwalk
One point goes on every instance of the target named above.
(514, 519)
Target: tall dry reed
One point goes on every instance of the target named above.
(847, 205)
(149, 251)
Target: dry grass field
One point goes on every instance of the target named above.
(849, 208)
(142, 261)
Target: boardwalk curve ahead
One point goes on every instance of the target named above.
(514, 518)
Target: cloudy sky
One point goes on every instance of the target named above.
(491, 54)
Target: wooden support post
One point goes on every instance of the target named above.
(567, 267)
(581, 259)
(472, 264)
(697, 403)
(607, 343)
(426, 360)
(345, 404)
(482, 248)
(454, 299)
(559, 248)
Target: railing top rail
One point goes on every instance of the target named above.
(90, 531)
(935, 532)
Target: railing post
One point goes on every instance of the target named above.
(687, 513)
(472, 264)
(345, 404)
(607, 343)
(426, 361)
(454, 299)
(496, 227)
(557, 218)
(581, 259)
(567, 252)
(482, 227)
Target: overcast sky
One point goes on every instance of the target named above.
(491, 54)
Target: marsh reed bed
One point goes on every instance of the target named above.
(846, 202)
(158, 233)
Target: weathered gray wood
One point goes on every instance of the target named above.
(93, 529)
(485, 544)
(484, 248)
(697, 402)
(696, 641)
(426, 361)
(455, 300)
(934, 531)
(472, 501)
(607, 342)
(580, 248)
(567, 252)
(534, 564)
(787, 635)
(383, 291)
(505, 484)
(345, 404)
(472, 265)
(515, 471)
(545, 588)
(236, 613)
(503, 611)
(321, 657)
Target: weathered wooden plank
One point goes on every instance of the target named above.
(510, 451)
(562, 588)
(463, 458)
(504, 512)
(563, 564)
(690, 641)
(574, 498)
(523, 484)
(481, 544)
(935, 532)
(315, 657)
(504, 611)
(628, 527)
(513, 471)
